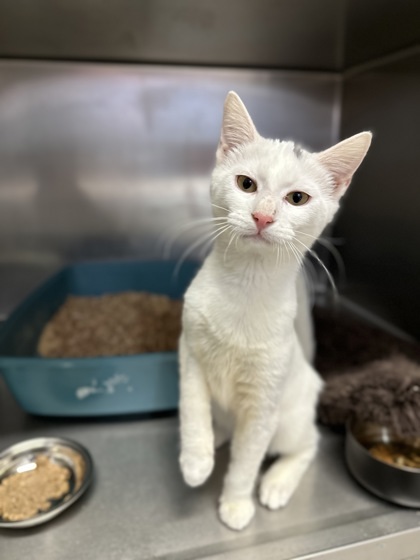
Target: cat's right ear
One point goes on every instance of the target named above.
(237, 126)
(343, 159)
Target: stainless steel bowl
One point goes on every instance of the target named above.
(22, 456)
(397, 484)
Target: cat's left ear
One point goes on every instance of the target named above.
(344, 158)
(237, 126)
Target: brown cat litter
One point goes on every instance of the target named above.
(370, 375)
(111, 325)
(23, 495)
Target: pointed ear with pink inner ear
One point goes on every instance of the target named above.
(343, 159)
(237, 126)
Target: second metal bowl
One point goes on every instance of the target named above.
(395, 483)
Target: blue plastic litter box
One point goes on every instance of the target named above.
(90, 386)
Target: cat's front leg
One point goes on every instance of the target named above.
(251, 437)
(197, 439)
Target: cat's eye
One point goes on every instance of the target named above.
(246, 184)
(297, 198)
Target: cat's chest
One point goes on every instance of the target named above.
(237, 335)
(238, 371)
(241, 320)
(231, 369)
(242, 338)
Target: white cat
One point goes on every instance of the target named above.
(246, 344)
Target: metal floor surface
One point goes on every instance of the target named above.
(140, 508)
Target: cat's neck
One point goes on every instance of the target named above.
(263, 268)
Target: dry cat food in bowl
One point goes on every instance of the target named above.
(384, 463)
(39, 479)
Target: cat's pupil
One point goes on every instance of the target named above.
(297, 197)
(247, 183)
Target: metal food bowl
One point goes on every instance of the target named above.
(22, 457)
(396, 483)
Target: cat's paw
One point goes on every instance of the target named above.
(236, 513)
(275, 492)
(196, 468)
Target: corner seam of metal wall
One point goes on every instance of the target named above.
(380, 61)
(336, 119)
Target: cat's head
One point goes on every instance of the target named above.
(274, 193)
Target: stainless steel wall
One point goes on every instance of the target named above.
(375, 28)
(279, 33)
(99, 160)
(380, 220)
(295, 34)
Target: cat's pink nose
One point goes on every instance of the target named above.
(262, 220)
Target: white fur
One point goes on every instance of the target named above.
(246, 345)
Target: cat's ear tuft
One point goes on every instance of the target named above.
(344, 158)
(237, 126)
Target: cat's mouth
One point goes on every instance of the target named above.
(259, 238)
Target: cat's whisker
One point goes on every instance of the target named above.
(333, 251)
(278, 256)
(312, 278)
(316, 257)
(330, 241)
(177, 231)
(220, 207)
(210, 236)
(210, 242)
(205, 240)
(306, 279)
(296, 255)
(220, 233)
(299, 256)
(232, 237)
(287, 249)
(204, 250)
(337, 257)
(273, 249)
(184, 228)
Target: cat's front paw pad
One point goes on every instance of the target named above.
(274, 493)
(196, 468)
(236, 513)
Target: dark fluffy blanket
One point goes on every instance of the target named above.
(370, 374)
